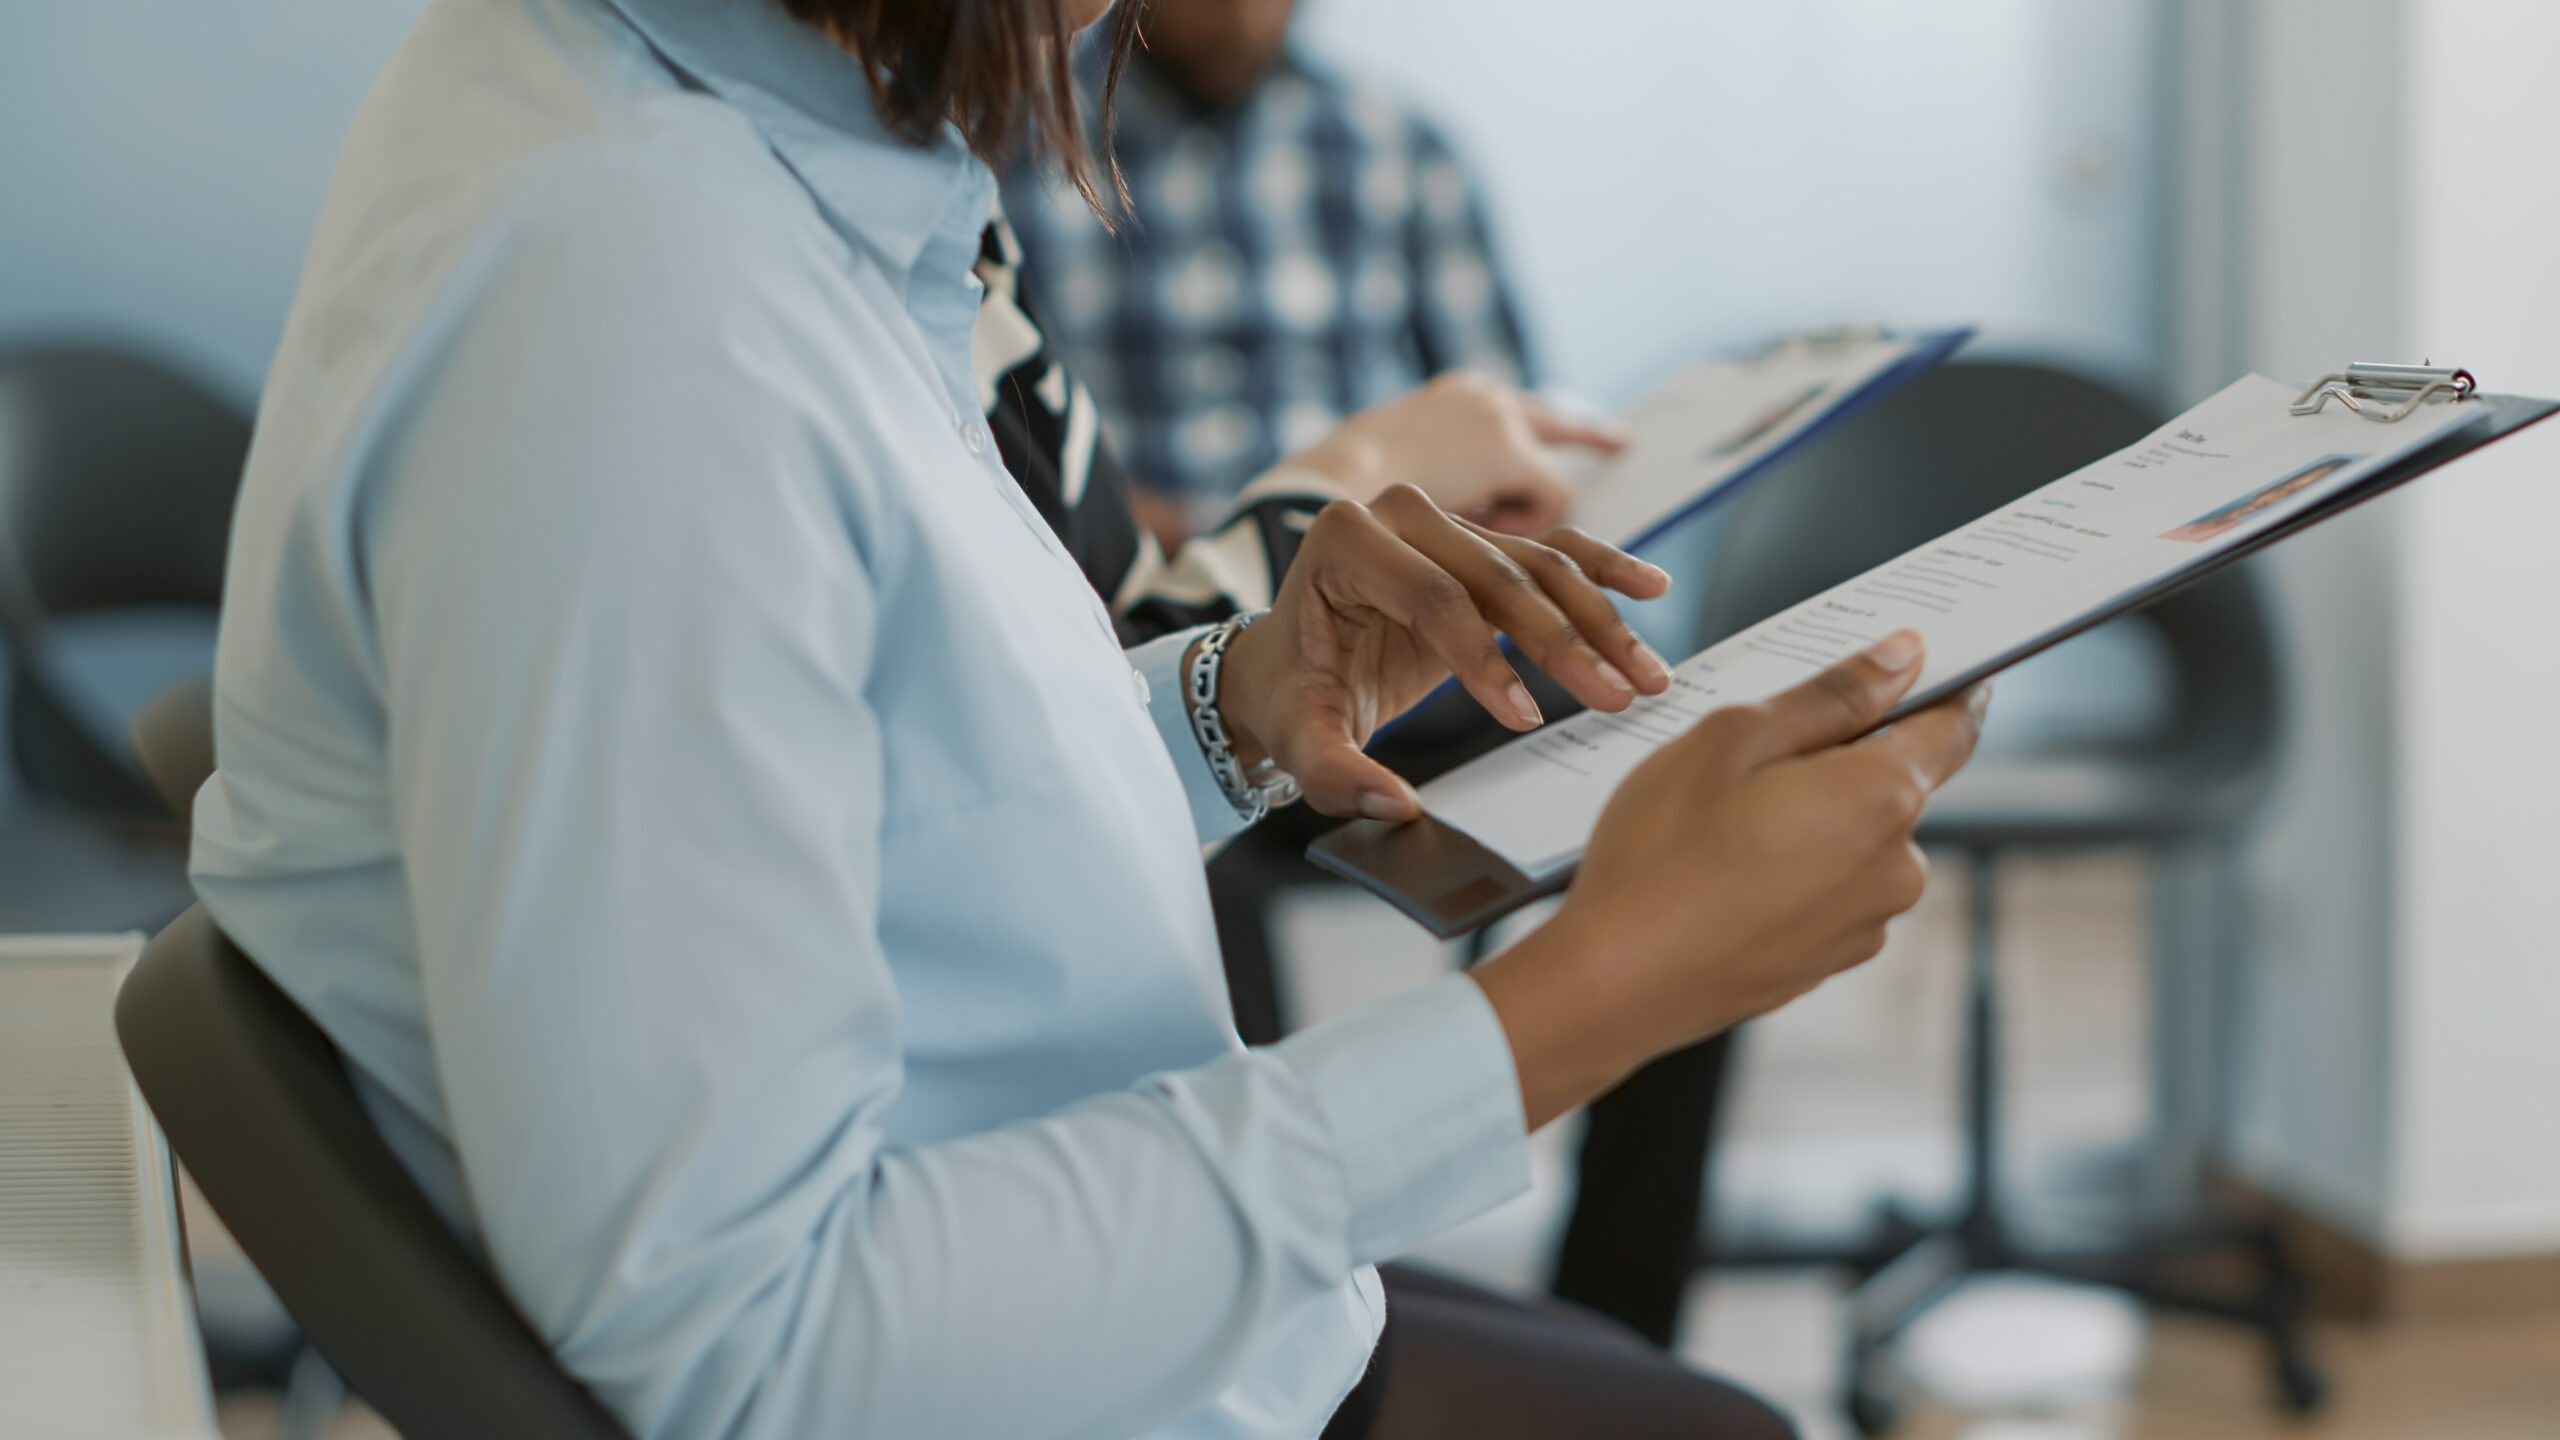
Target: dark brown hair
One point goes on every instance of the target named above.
(999, 69)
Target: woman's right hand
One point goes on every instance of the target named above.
(1738, 867)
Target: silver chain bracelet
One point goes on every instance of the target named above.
(1254, 793)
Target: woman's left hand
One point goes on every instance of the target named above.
(1386, 599)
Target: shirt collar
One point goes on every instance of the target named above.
(812, 103)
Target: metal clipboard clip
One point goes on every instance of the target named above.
(2370, 390)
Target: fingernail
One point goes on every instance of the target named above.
(1379, 805)
(1897, 651)
(1659, 573)
(1527, 709)
(1649, 664)
(1615, 678)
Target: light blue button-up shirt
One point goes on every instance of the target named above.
(670, 757)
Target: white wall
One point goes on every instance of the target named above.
(2401, 1074)
(2315, 1062)
(2476, 1119)
(162, 163)
(1674, 175)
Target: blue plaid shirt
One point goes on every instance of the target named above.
(1307, 253)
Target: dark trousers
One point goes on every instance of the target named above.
(1459, 1363)
(1640, 1203)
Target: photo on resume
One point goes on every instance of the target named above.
(2215, 523)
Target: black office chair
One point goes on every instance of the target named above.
(256, 1104)
(245, 1342)
(117, 477)
(1954, 445)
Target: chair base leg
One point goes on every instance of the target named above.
(2150, 1267)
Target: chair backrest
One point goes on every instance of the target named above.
(1953, 445)
(256, 1104)
(117, 478)
(173, 740)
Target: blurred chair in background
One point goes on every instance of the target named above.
(117, 477)
(256, 1104)
(2176, 771)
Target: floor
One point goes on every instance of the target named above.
(1849, 1095)
(2495, 1379)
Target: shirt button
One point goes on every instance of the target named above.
(974, 435)
(1146, 696)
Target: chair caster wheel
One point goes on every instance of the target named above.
(1870, 1411)
(2304, 1389)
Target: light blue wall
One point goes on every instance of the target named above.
(1674, 175)
(162, 163)
(1671, 174)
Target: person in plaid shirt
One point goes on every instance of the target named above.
(1299, 249)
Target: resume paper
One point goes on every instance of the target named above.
(1980, 597)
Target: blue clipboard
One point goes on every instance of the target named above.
(1930, 349)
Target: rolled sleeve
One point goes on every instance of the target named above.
(1424, 1108)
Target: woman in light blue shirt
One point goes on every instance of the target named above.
(754, 892)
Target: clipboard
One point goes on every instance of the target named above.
(1929, 349)
(1451, 884)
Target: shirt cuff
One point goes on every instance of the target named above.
(1288, 482)
(1159, 661)
(1424, 1108)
